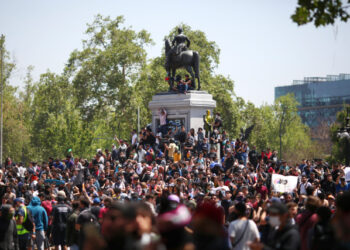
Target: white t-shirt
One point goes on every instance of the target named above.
(303, 187)
(139, 168)
(236, 230)
(159, 135)
(141, 153)
(347, 173)
(21, 171)
(134, 139)
(162, 117)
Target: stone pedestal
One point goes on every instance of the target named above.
(183, 109)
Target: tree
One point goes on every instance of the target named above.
(263, 120)
(278, 126)
(341, 146)
(57, 124)
(295, 136)
(105, 70)
(321, 12)
(15, 133)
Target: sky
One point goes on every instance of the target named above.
(261, 47)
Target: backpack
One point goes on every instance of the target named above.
(92, 217)
(322, 237)
(29, 221)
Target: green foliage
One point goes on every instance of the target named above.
(271, 121)
(15, 133)
(321, 12)
(340, 147)
(104, 71)
(102, 86)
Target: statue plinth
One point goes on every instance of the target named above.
(187, 109)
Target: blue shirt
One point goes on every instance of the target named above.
(39, 214)
(339, 188)
(59, 165)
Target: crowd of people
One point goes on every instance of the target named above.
(174, 189)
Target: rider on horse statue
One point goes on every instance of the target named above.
(178, 56)
(180, 40)
(178, 44)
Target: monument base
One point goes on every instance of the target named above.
(183, 109)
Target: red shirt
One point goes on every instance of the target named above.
(263, 191)
(103, 212)
(306, 221)
(47, 205)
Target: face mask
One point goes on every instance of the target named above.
(274, 221)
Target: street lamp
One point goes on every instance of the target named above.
(344, 133)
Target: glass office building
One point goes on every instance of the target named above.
(320, 98)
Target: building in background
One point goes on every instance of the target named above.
(320, 98)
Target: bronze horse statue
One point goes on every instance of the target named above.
(187, 59)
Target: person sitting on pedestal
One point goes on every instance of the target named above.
(181, 86)
(189, 83)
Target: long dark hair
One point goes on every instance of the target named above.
(4, 220)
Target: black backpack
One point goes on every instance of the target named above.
(322, 237)
(92, 218)
(28, 223)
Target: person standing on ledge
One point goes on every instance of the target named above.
(208, 121)
(163, 120)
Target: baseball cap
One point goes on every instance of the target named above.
(21, 200)
(97, 201)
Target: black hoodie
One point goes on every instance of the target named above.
(8, 230)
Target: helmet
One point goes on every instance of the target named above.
(179, 29)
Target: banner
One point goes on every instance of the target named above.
(282, 184)
(347, 174)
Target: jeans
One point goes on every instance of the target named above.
(239, 156)
(245, 157)
(39, 240)
(199, 146)
(183, 87)
(164, 129)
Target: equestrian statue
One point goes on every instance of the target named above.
(178, 56)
